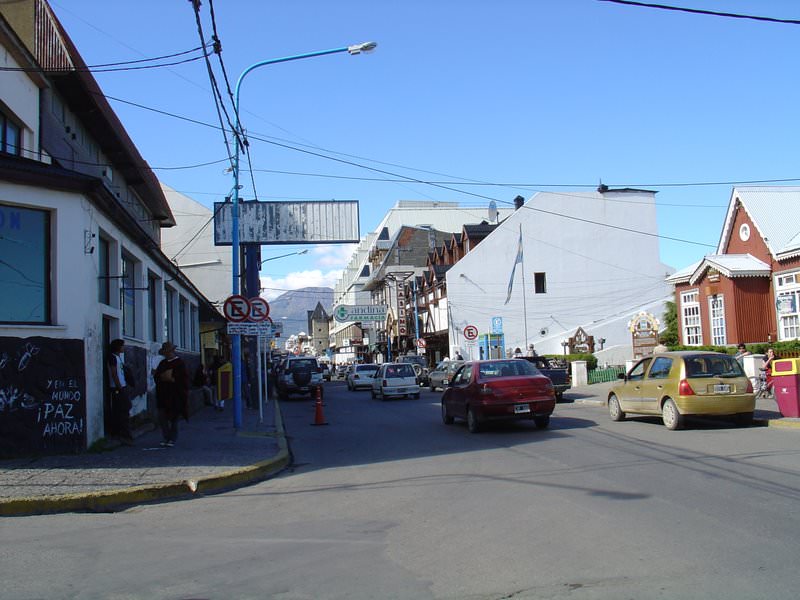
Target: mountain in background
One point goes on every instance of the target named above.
(294, 306)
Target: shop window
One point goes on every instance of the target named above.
(787, 305)
(10, 136)
(540, 283)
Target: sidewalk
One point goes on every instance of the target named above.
(209, 456)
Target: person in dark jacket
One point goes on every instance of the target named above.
(172, 392)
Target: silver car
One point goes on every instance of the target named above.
(360, 376)
(395, 379)
(443, 373)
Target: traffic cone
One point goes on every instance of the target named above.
(319, 418)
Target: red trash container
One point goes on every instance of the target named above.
(786, 384)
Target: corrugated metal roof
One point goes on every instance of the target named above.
(730, 265)
(684, 274)
(775, 212)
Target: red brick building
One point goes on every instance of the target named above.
(749, 290)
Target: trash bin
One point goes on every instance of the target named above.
(786, 383)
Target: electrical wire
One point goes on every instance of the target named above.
(218, 103)
(699, 11)
(93, 70)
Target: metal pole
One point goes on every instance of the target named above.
(236, 350)
(260, 402)
(416, 312)
(524, 303)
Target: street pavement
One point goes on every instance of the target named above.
(210, 456)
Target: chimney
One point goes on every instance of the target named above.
(518, 202)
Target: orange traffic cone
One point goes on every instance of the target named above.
(319, 418)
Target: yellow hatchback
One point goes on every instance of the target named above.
(675, 385)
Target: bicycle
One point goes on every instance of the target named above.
(761, 388)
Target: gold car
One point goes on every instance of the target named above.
(678, 384)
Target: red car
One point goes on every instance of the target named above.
(488, 390)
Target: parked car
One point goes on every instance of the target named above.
(676, 385)
(559, 376)
(420, 365)
(441, 375)
(500, 389)
(360, 376)
(395, 379)
(298, 375)
(341, 371)
(326, 372)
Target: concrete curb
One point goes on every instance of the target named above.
(113, 500)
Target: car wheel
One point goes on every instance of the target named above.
(473, 424)
(559, 396)
(349, 386)
(374, 395)
(446, 418)
(415, 396)
(614, 410)
(670, 416)
(743, 419)
(542, 422)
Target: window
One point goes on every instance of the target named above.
(716, 308)
(24, 265)
(103, 271)
(637, 372)
(194, 321)
(10, 136)
(787, 303)
(182, 316)
(152, 305)
(661, 368)
(129, 296)
(169, 316)
(692, 328)
(540, 283)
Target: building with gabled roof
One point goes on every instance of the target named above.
(749, 290)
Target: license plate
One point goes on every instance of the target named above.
(521, 408)
(401, 389)
(722, 388)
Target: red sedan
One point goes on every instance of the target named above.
(488, 390)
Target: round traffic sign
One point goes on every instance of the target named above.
(470, 332)
(259, 309)
(421, 343)
(236, 308)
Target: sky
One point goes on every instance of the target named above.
(463, 100)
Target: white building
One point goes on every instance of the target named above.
(80, 221)
(589, 260)
(349, 340)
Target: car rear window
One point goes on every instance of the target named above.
(366, 368)
(401, 370)
(310, 363)
(713, 365)
(506, 368)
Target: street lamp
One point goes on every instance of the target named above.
(261, 262)
(236, 350)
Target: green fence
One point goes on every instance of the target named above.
(602, 375)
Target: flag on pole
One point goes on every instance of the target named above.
(517, 260)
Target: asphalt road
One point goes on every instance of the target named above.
(387, 502)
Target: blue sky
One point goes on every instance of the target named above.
(528, 94)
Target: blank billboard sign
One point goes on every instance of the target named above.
(285, 222)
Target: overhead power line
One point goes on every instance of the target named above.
(699, 11)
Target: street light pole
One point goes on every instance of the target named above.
(236, 350)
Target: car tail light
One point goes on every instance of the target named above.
(749, 389)
(684, 389)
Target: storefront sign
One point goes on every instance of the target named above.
(360, 312)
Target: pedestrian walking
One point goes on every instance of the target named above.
(120, 392)
(172, 392)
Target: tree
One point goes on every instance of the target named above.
(670, 335)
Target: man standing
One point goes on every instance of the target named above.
(120, 393)
(172, 393)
